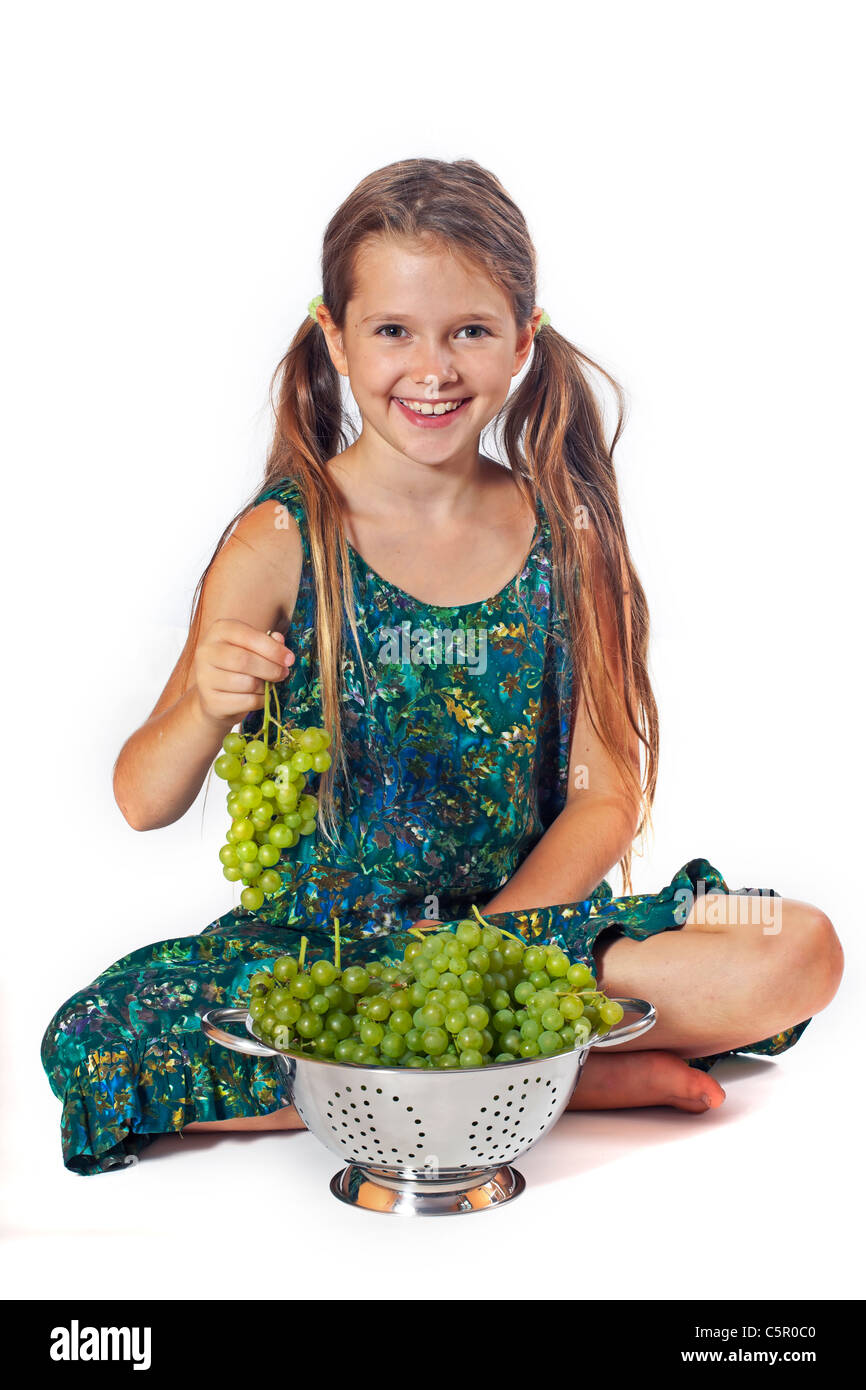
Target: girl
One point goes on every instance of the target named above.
(506, 773)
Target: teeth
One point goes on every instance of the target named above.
(427, 408)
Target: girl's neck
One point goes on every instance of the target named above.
(397, 489)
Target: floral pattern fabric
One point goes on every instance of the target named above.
(459, 762)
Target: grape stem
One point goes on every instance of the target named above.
(337, 943)
(302, 953)
(271, 717)
(510, 934)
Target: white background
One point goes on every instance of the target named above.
(690, 178)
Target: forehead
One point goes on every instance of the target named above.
(416, 274)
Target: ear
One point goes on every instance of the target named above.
(525, 340)
(333, 340)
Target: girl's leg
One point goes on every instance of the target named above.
(717, 984)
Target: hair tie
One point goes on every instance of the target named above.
(545, 318)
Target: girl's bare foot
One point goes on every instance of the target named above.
(285, 1118)
(611, 1082)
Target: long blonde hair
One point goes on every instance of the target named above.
(552, 435)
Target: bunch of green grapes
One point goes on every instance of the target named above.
(266, 800)
(462, 999)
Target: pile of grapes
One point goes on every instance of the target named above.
(462, 999)
(265, 799)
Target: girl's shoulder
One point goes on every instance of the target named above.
(285, 504)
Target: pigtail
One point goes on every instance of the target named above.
(553, 436)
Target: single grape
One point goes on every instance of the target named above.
(469, 1039)
(339, 1024)
(302, 987)
(469, 933)
(355, 979)
(323, 972)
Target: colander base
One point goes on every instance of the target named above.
(357, 1186)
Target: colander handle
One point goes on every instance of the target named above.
(621, 1032)
(211, 1017)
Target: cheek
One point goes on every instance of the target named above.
(372, 374)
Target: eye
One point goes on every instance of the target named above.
(386, 327)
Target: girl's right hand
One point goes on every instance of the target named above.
(231, 664)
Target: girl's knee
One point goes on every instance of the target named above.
(821, 954)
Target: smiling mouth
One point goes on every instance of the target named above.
(427, 410)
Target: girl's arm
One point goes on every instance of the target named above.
(599, 820)
(251, 588)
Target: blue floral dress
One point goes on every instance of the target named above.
(459, 761)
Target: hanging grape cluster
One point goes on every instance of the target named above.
(266, 800)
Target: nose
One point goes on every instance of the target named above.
(432, 367)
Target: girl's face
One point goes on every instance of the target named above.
(423, 329)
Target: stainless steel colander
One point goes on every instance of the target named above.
(425, 1142)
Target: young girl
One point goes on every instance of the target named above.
(506, 773)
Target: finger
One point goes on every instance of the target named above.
(263, 644)
(236, 683)
(226, 656)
